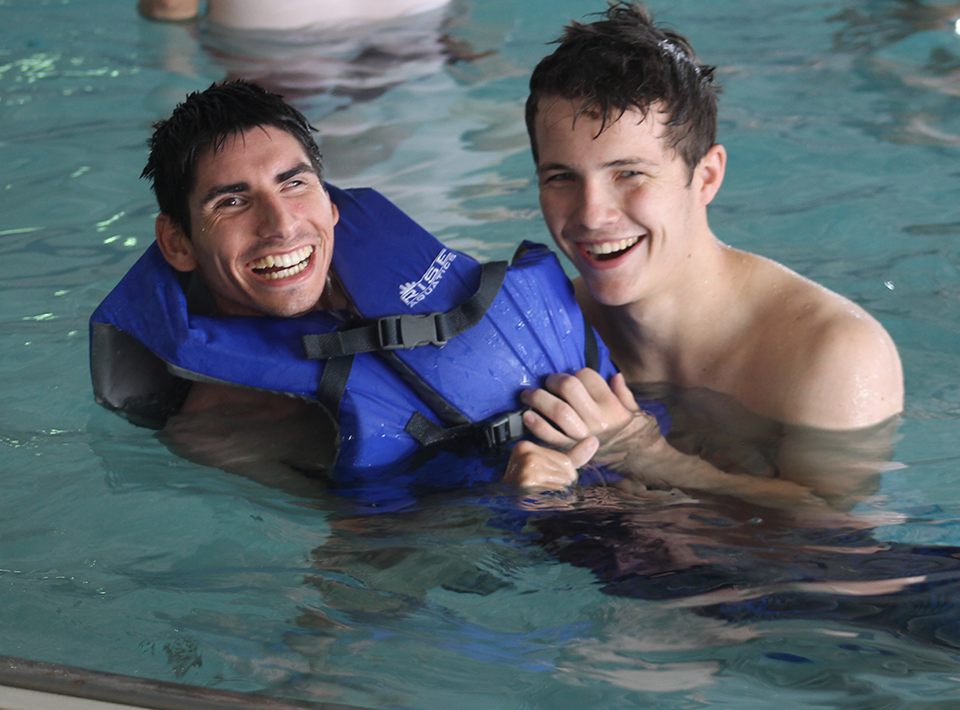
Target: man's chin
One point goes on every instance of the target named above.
(607, 294)
(274, 305)
(288, 310)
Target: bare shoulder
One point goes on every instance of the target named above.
(838, 367)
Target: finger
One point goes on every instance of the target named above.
(555, 479)
(606, 398)
(583, 451)
(593, 383)
(563, 416)
(618, 383)
(572, 390)
(533, 466)
(564, 385)
(521, 458)
(543, 430)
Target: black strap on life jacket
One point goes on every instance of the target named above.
(407, 331)
(495, 433)
(591, 350)
(333, 383)
(503, 429)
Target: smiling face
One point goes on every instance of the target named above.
(261, 227)
(621, 205)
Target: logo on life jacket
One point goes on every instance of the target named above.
(412, 292)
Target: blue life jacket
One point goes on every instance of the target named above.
(441, 350)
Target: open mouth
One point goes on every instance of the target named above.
(284, 265)
(605, 251)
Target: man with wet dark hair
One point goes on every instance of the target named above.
(239, 182)
(204, 122)
(247, 221)
(626, 63)
(622, 120)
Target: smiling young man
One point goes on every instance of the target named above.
(250, 214)
(622, 119)
(246, 222)
(244, 215)
(260, 229)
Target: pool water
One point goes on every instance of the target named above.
(842, 121)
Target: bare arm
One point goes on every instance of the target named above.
(270, 438)
(840, 396)
(631, 444)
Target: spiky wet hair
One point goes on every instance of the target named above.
(625, 62)
(202, 123)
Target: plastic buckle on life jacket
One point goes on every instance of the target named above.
(407, 331)
(504, 429)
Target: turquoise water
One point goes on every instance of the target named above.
(842, 120)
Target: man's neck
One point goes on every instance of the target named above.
(334, 296)
(671, 334)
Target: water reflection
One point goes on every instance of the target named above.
(353, 62)
(914, 45)
(691, 591)
(391, 99)
(689, 586)
(878, 24)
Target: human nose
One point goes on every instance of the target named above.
(598, 206)
(277, 218)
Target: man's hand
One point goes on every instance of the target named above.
(630, 442)
(584, 405)
(534, 466)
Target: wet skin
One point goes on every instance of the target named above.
(262, 233)
(620, 191)
(261, 227)
(675, 305)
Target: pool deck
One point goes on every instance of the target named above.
(20, 699)
(33, 685)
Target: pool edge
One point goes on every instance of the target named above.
(54, 680)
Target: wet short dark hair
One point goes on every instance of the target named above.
(203, 122)
(625, 62)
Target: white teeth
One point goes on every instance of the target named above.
(292, 263)
(284, 273)
(611, 247)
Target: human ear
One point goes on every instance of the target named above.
(709, 173)
(175, 246)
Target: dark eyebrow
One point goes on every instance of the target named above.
(632, 163)
(297, 169)
(628, 162)
(551, 167)
(218, 190)
(622, 163)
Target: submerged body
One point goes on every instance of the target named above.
(622, 121)
(723, 562)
